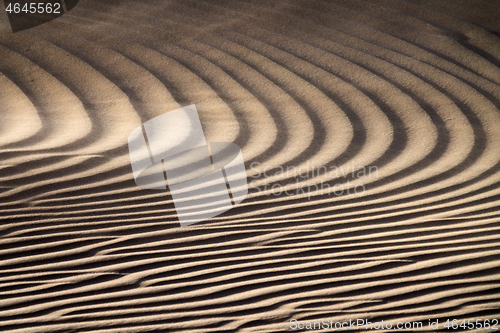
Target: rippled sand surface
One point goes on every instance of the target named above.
(410, 88)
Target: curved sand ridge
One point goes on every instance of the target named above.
(408, 87)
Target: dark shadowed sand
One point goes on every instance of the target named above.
(408, 88)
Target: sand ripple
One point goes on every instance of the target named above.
(409, 87)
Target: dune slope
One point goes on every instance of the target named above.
(390, 108)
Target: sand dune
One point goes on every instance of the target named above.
(409, 88)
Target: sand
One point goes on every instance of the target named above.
(410, 89)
